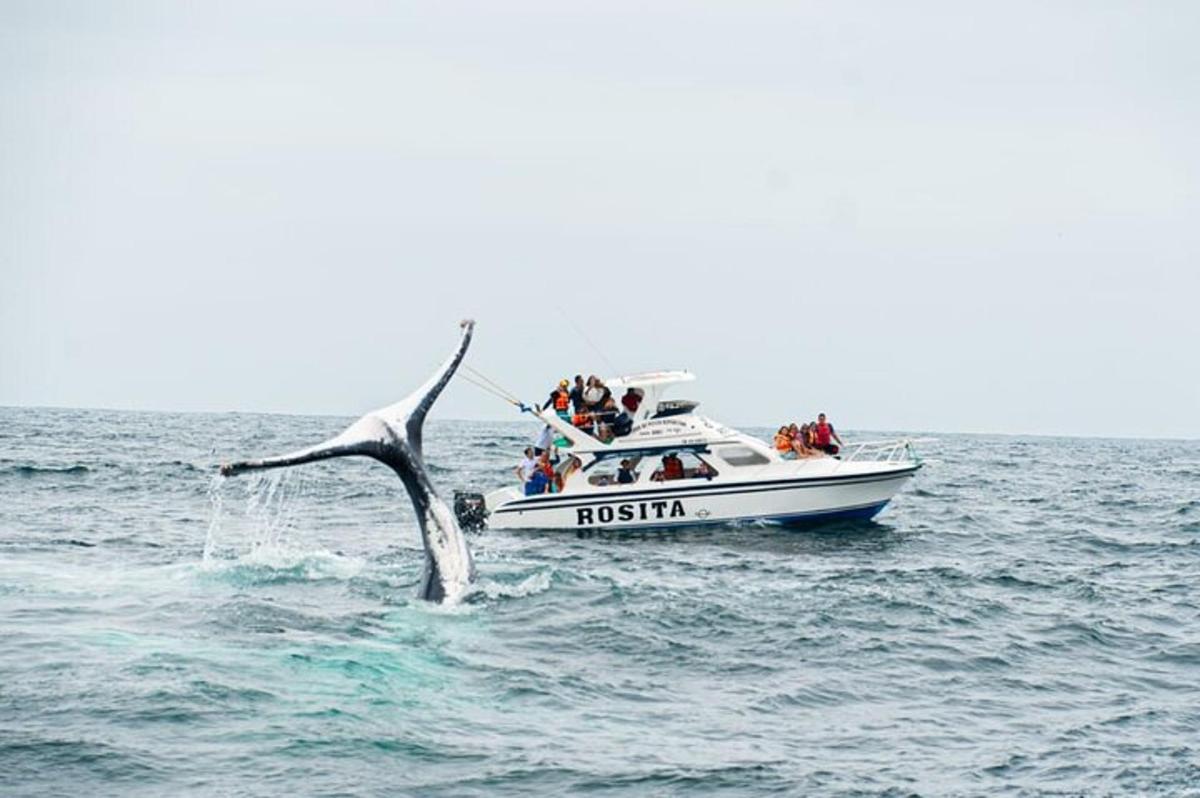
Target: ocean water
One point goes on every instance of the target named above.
(1023, 619)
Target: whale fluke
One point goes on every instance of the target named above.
(392, 435)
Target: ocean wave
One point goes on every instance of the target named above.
(46, 470)
(266, 565)
(531, 585)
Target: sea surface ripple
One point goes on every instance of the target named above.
(1023, 619)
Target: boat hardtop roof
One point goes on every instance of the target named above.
(649, 379)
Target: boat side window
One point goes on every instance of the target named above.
(742, 456)
(608, 471)
(682, 465)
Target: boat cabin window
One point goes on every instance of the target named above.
(608, 471)
(682, 465)
(742, 456)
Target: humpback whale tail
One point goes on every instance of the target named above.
(392, 435)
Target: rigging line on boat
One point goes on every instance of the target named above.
(489, 389)
(479, 375)
(588, 341)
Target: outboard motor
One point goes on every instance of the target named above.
(470, 510)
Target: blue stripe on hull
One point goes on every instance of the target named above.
(853, 514)
(863, 513)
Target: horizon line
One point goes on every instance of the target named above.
(1086, 436)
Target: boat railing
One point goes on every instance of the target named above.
(898, 450)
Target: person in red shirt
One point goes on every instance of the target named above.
(631, 401)
(826, 435)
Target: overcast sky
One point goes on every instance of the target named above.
(925, 216)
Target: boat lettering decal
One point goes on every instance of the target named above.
(606, 514)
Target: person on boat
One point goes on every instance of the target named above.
(526, 467)
(546, 467)
(572, 465)
(592, 393)
(560, 400)
(631, 401)
(825, 435)
(583, 420)
(705, 471)
(538, 482)
(783, 444)
(625, 475)
(596, 393)
(622, 425)
(800, 437)
(545, 440)
(672, 467)
(605, 417)
(576, 394)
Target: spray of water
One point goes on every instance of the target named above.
(265, 531)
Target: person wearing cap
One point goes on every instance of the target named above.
(625, 475)
(560, 400)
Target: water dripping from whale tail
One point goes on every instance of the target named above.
(392, 435)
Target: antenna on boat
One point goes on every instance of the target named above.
(612, 369)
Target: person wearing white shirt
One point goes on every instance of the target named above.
(526, 467)
(544, 441)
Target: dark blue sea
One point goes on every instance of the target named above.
(1024, 619)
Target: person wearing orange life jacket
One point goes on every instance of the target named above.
(784, 445)
(825, 435)
(583, 420)
(560, 400)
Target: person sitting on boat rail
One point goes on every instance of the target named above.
(825, 432)
(560, 400)
(583, 420)
(784, 445)
(605, 416)
(800, 441)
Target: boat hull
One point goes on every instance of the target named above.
(790, 502)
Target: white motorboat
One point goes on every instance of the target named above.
(726, 476)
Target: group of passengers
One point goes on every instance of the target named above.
(814, 439)
(543, 471)
(590, 407)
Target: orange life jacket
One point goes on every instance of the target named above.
(782, 442)
(582, 419)
(562, 400)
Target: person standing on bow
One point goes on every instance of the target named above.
(560, 400)
(826, 435)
